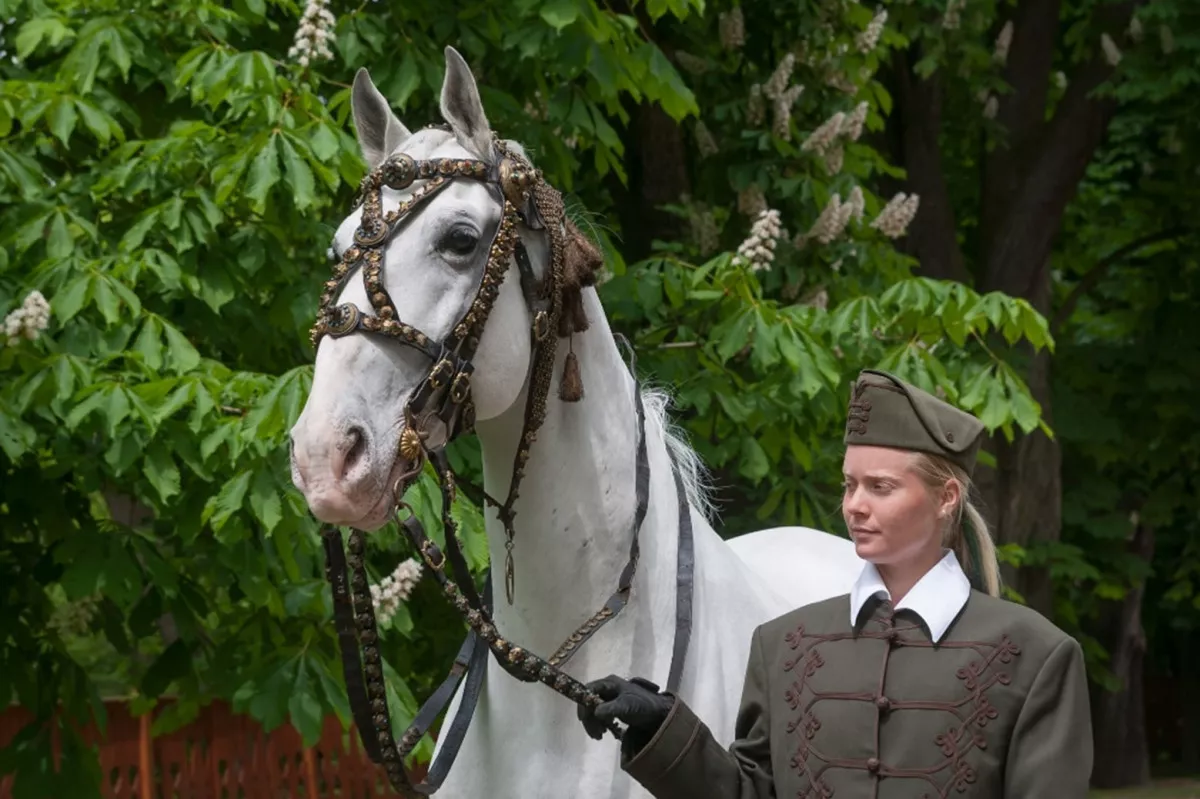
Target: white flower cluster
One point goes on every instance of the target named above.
(824, 136)
(1003, 42)
(314, 34)
(1060, 79)
(705, 141)
(705, 234)
(857, 203)
(818, 299)
(852, 125)
(991, 107)
(29, 320)
(732, 27)
(1167, 39)
(867, 40)
(824, 142)
(782, 96)
(838, 80)
(832, 221)
(1112, 53)
(394, 589)
(834, 157)
(896, 216)
(751, 201)
(702, 223)
(74, 618)
(690, 63)
(758, 250)
(756, 109)
(1135, 29)
(952, 19)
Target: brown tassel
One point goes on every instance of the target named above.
(571, 387)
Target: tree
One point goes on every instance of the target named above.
(169, 180)
(1126, 316)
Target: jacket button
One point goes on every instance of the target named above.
(883, 703)
(873, 765)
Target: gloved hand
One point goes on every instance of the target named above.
(635, 702)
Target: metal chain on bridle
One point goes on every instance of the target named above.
(444, 396)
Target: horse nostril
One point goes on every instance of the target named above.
(356, 439)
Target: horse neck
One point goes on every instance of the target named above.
(576, 503)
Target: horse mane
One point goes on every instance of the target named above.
(692, 471)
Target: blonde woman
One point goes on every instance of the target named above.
(921, 682)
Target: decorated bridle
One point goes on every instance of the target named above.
(444, 396)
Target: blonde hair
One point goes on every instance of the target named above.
(935, 471)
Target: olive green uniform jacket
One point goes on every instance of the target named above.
(997, 709)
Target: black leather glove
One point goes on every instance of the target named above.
(635, 702)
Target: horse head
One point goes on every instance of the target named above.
(456, 268)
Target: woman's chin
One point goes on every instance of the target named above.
(870, 548)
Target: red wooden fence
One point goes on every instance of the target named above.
(220, 755)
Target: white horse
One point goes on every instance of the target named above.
(578, 496)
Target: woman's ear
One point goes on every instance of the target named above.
(951, 498)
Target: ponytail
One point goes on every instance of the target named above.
(967, 534)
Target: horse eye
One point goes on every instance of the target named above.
(459, 241)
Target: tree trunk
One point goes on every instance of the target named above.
(657, 170)
(1119, 717)
(1189, 711)
(1022, 496)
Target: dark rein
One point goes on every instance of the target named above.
(444, 396)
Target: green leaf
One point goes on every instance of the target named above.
(175, 716)
(303, 707)
(149, 343)
(733, 334)
(60, 243)
(299, 176)
(324, 143)
(264, 174)
(172, 664)
(115, 409)
(335, 696)
(96, 121)
(264, 499)
(408, 79)
(16, 437)
(117, 51)
(857, 317)
(35, 31)
(1025, 410)
(62, 118)
(94, 400)
(67, 301)
(184, 357)
(995, 408)
(106, 299)
(162, 473)
(227, 502)
(656, 8)
(754, 462)
(558, 14)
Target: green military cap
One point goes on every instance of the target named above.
(885, 411)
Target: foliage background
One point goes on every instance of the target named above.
(170, 180)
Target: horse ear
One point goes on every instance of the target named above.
(463, 109)
(379, 131)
